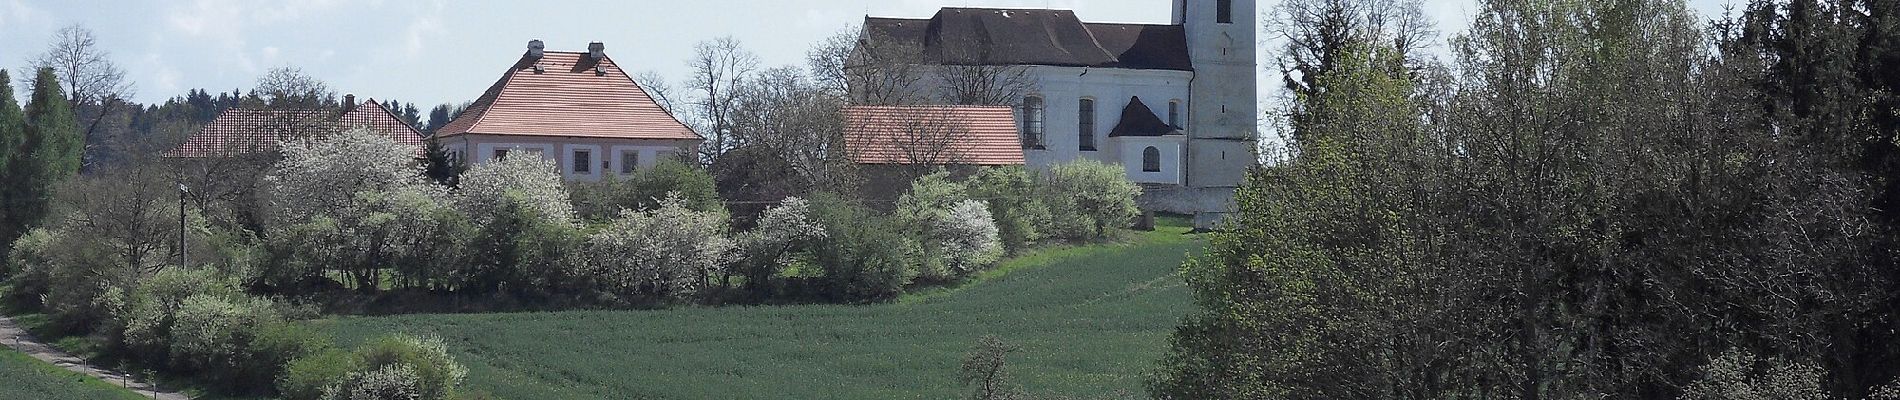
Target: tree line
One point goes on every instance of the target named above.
(1587, 199)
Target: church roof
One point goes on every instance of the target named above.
(562, 94)
(992, 36)
(238, 131)
(1139, 120)
(944, 135)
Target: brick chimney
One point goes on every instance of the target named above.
(349, 102)
(535, 48)
(596, 50)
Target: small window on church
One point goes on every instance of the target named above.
(1151, 159)
(1032, 122)
(1085, 120)
(1224, 11)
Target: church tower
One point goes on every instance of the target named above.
(1223, 103)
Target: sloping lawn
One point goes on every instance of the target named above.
(1090, 322)
(23, 377)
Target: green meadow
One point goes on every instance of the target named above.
(1089, 322)
(23, 377)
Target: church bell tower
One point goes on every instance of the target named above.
(1223, 102)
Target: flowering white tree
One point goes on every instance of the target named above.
(320, 175)
(485, 189)
(354, 202)
(958, 234)
(671, 251)
(781, 230)
(969, 237)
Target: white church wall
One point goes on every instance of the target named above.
(1062, 89)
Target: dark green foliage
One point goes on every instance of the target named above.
(1597, 205)
(519, 252)
(12, 150)
(866, 257)
(48, 155)
(440, 167)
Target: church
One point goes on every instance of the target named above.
(1175, 105)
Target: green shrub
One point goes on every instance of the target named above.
(520, 250)
(1014, 204)
(1086, 198)
(213, 337)
(307, 377)
(644, 189)
(394, 382)
(147, 320)
(864, 257)
(957, 235)
(402, 366)
(27, 267)
(436, 372)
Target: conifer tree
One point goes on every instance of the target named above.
(49, 155)
(12, 136)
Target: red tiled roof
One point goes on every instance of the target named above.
(967, 135)
(568, 98)
(241, 131)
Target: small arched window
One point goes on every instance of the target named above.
(1151, 159)
(1032, 110)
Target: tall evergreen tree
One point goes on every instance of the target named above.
(12, 137)
(49, 155)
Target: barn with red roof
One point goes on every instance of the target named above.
(243, 131)
(579, 109)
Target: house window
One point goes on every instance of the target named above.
(1151, 159)
(501, 154)
(629, 161)
(583, 162)
(1224, 11)
(1085, 119)
(1174, 113)
(1032, 122)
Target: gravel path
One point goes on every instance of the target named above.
(12, 336)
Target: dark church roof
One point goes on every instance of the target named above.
(1138, 120)
(991, 36)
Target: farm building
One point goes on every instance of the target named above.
(241, 131)
(579, 109)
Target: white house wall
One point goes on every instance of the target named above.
(605, 152)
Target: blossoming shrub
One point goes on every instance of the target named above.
(670, 252)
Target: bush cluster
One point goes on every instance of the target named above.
(391, 367)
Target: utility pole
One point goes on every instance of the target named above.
(182, 259)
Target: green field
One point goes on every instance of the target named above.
(1090, 321)
(22, 377)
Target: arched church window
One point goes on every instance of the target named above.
(1032, 110)
(1151, 159)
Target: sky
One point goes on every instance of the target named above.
(436, 51)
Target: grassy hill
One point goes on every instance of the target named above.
(1090, 321)
(22, 377)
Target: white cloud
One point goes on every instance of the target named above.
(15, 12)
(426, 25)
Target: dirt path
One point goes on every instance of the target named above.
(12, 336)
